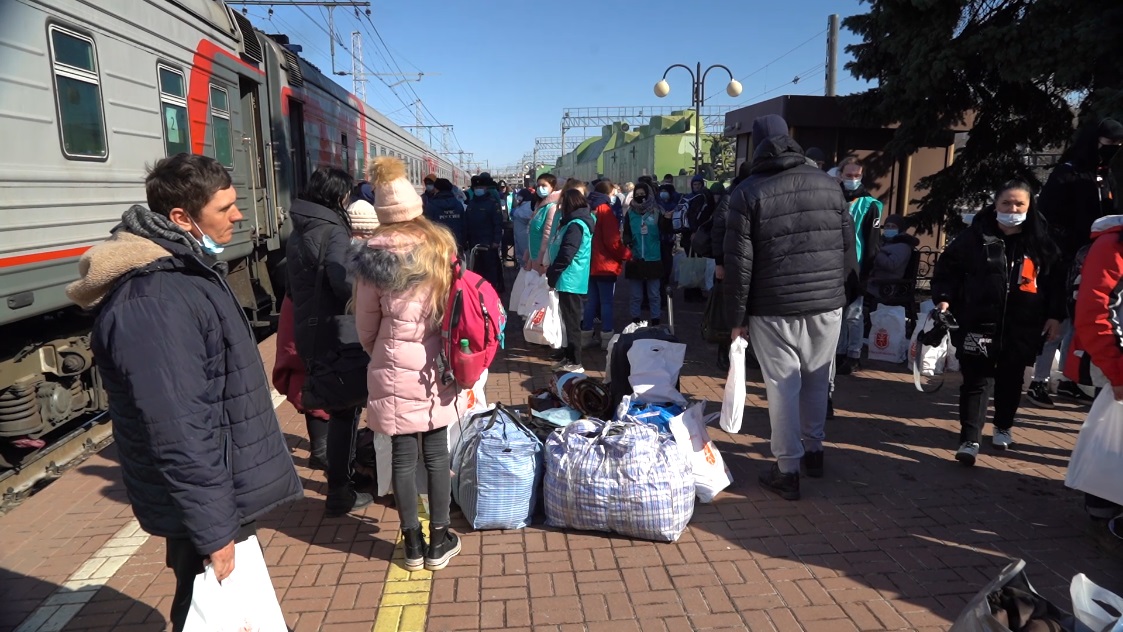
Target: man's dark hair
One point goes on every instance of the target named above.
(186, 181)
(329, 187)
(550, 179)
(667, 176)
(443, 184)
(604, 186)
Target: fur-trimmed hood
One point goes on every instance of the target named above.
(378, 260)
(103, 265)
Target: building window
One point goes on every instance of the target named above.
(173, 110)
(220, 127)
(78, 95)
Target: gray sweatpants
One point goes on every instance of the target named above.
(795, 354)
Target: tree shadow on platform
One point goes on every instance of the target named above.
(108, 609)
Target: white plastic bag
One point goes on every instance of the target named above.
(887, 334)
(1094, 466)
(733, 404)
(656, 365)
(243, 601)
(710, 472)
(1085, 594)
(933, 359)
(536, 294)
(544, 325)
(518, 290)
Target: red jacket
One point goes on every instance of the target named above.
(1098, 323)
(288, 369)
(609, 251)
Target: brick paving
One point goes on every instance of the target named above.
(897, 536)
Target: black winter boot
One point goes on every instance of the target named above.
(414, 548)
(443, 546)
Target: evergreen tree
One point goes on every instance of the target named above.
(1022, 68)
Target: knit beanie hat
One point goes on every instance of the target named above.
(395, 198)
(363, 218)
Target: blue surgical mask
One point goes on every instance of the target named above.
(1011, 220)
(852, 185)
(209, 245)
(663, 195)
(543, 191)
(889, 233)
(428, 187)
(480, 192)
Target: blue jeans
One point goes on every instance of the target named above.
(635, 300)
(599, 303)
(1043, 368)
(850, 338)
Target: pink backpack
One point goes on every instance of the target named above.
(472, 332)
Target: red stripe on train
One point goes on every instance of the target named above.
(198, 91)
(40, 257)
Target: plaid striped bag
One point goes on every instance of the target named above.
(624, 477)
(498, 469)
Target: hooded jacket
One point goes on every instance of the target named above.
(1078, 192)
(542, 226)
(316, 228)
(609, 251)
(405, 394)
(571, 252)
(789, 245)
(1098, 318)
(994, 289)
(646, 262)
(891, 261)
(200, 446)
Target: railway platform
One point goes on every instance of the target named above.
(896, 536)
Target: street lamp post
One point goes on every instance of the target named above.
(698, 81)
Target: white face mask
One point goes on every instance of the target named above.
(1011, 220)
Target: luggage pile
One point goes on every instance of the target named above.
(629, 457)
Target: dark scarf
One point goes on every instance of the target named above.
(144, 223)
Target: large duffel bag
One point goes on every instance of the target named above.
(623, 477)
(497, 470)
(621, 368)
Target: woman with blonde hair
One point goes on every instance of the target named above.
(402, 278)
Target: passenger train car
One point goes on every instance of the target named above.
(94, 91)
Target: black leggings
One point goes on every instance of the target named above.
(434, 447)
(570, 304)
(983, 377)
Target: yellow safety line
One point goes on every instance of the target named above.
(404, 606)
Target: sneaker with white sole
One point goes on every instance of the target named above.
(1002, 439)
(570, 367)
(1038, 393)
(967, 453)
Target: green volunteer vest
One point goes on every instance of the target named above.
(858, 211)
(537, 226)
(575, 278)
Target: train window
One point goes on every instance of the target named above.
(220, 127)
(173, 110)
(78, 94)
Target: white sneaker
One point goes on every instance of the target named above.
(1002, 439)
(570, 368)
(968, 451)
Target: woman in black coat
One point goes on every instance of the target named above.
(1001, 281)
(326, 338)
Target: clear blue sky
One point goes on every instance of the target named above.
(501, 72)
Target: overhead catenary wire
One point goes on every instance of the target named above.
(800, 76)
(767, 65)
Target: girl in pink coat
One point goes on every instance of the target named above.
(402, 279)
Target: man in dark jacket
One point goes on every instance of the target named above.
(200, 446)
(1079, 191)
(444, 208)
(484, 227)
(789, 249)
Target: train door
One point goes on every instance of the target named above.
(299, 152)
(346, 154)
(258, 176)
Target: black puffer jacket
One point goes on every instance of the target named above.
(789, 245)
(200, 446)
(313, 227)
(979, 275)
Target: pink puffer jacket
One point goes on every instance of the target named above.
(405, 394)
